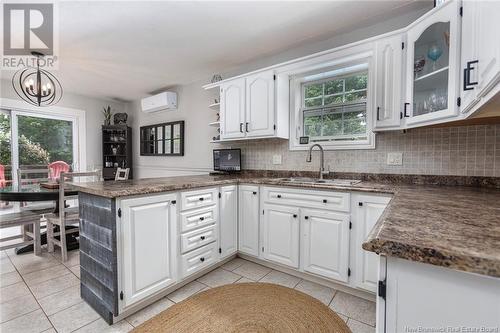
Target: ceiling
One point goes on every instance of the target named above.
(127, 49)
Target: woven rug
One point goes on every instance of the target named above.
(247, 307)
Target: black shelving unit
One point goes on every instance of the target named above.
(116, 150)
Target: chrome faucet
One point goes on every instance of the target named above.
(321, 160)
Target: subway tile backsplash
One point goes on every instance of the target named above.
(462, 151)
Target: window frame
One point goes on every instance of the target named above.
(299, 76)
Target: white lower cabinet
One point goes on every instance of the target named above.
(367, 209)
(148, 246)
(248, 220)
(228, 224)
(325, 243)
(196, 260)
(280, 228)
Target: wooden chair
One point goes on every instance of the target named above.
(122, 174)
(67, 216)
(55, 169)
(22, 219)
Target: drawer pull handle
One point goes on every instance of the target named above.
(295, 215)
(306, 217)
(278, 196)
(201, 199)
(202, 237)
(325, 201)
(202, 218)
(202, 259)
(254, 193)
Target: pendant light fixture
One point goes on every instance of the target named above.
(37, 86)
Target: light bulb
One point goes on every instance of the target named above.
(26, 83)
(49, 86)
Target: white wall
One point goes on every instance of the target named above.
(93, 116)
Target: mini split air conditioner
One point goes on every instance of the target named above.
(165, 101)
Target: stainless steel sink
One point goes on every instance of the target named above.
(338, 182)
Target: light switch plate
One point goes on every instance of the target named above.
(276, 159)
(395, 159)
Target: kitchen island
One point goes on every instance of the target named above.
(430, 224)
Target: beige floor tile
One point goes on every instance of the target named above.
(17, 307)
(49, 287)
(50, 330)
(9, 278)
(252, 271)
(60, 300)
(233, 264)
(27, 263)
(13, 291)
(6, 266)
(3, 254)
(244, 280)
(354, 307)
(139, 317)
(283, 279)
(73, 257)
(75, 270)
(45, 274)
(100, 326)
(33, 322)
(218, 277)
(321, 293)
(73, 318)
(359, 327)
(344, 318)
(186, 291)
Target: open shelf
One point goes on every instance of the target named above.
(215, 141)
(437, 72)
(214, 124)
(436, 79)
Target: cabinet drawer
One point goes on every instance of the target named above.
(338, 201)
(198, 259)
(199, 198)
(198, 218)
(197, 238)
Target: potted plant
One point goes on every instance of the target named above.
(107, 115)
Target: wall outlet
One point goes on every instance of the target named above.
(395, 159)
(276, 159)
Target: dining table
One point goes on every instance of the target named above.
(37, 193)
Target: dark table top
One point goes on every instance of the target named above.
(32, 192)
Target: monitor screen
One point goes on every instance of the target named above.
(227, 159)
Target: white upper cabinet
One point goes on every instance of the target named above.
(148, 244)
(248, 221)
(280, 228)
(325, 246)
(389, 87)
(260, 104)
(432, 66)
(228, 223)
(232, 109)
(480, 66)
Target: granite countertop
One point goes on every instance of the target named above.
(452, 226)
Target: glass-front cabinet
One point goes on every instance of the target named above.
(432, 67)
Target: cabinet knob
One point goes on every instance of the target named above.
(202, 259)
(254, 193)
(202, 218)
(325, 201)
(278, 196)
(202, 237)
(306, 217)
(295, 215)
(201, 199)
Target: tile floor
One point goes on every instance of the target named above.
(39, 294)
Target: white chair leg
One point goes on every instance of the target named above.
(64, 249)
(50, 236)
(37, 242)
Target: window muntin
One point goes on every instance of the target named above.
(335, 108)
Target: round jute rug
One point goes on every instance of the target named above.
(247, 307)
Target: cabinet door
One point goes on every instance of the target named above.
(228, 225)
(389, 82)
(248, 221)
(148, 234)
(368, 210)
(432, 67)
(232, 109)
(281, 234)
(325, 243)
(260, 104)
